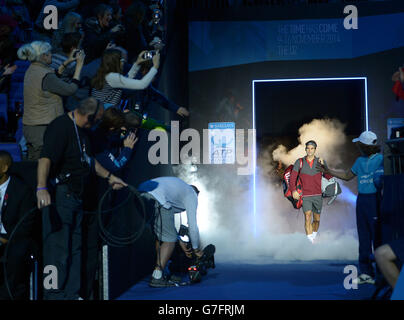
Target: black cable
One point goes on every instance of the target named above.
(116, 241)
(105, 235)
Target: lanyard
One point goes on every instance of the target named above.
(78, 138)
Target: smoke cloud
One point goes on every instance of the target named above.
(329, 136)
(225, 210)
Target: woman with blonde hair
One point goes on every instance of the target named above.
(108, 83)
(43, 92)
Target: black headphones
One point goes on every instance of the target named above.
(91, 117)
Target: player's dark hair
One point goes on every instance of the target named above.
(312, 142)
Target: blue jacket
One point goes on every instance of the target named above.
(109, 151)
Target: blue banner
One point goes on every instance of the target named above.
(224, 44)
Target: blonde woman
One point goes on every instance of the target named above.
(43, 92)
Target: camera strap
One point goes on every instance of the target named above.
(83, 156)
(77, 134)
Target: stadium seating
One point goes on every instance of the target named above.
(14, 149)
(16, 93)
(3, 110)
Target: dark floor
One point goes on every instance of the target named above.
(314, 280)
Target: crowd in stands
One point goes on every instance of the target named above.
(95, 71)
(112, 37)
(63, 91)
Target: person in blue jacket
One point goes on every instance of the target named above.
(113, 142)
(368, 168)
(115, 139)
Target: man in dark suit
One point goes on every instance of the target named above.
(16, 200)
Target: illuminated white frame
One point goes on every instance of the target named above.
(255, 136)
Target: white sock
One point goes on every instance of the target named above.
(157, 274)
(314, 235)
(310, 237)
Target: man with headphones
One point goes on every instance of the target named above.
(66, 157)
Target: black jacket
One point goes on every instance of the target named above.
(18, 200)
(95, 39)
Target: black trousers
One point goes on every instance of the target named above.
(61, 232)
(18, 267)
(367, 222)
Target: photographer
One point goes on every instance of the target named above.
(114, 140)
(170, 195)
(43, 92)
(98, 33)
(133, 39)
(113, 143)
(143, 98)
(71, 23)
(70, 44)
(109, 81)
(67, 155)
(116, 15)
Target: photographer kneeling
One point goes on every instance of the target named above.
(170, 195)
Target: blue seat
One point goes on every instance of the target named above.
(19, 73)
(14, 149)
(18, 76)
(3, 106)
(22, 66)
(16, 89)
(16, 86)
(16, 94)
(19, 133)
